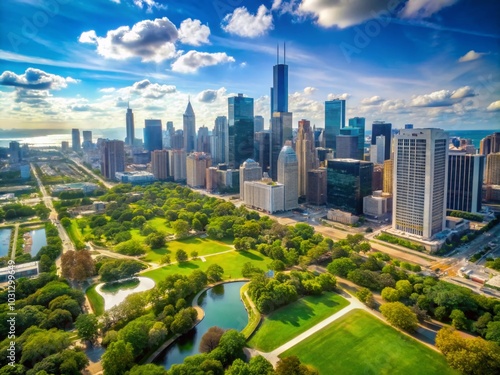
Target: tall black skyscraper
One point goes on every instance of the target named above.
(279, 91)
(241, 131)
(382, 128)
(130, 127)
(152, 135)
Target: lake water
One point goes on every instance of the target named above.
(39, 240)
(4, 241)
(113, 298)
(223, 308)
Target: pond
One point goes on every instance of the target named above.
(223, 308)
(4, 241)
(115, 293)
(37, 241)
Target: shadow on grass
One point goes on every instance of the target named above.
(250, 255)
(188, 265)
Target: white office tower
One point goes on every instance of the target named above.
(288, 175)
(420, 181)
(220, 140)
(250, 170)
(377, 150)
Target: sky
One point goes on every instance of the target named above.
(79, 63)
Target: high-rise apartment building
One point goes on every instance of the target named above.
(281, 131)
(490, 144)
(382, 128)
(129, 119)
(349, 181)
(112, 158)
(420, 181)
(334, 121)
(153, 139)
(288, 175)
(250, 170)
(75, 140)
(178, 164)
(306, 154)
(160, 164)
(220, 140)
(196, 166)
(465, 181)
(189, 128)
(492, 176)
(359, 123)
(241, 131)
(262, 149)
(177, 140)
(203, 140)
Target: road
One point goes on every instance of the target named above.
(108, 184)
(47, 199)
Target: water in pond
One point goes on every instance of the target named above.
(115, 293)
(39, 240)
(223, 308)
(4, 241)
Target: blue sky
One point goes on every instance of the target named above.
(72, 63)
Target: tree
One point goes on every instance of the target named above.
(292, 366)
(399, 316)
(194, 254)
(157, 334)
(87, 326)
(390, 294)
(43, 343)
(366, 296)
(249, 270)
(181, 256)
(149, 369)
(118, 358)
(45, 263)
(77, 265)
(231, 344)
(131, 247)
(260, 366)
(165, 259)
(210, 339)
(458, 319)
(155, 240)
(493, 331)
(404, 287)
(341, 266)
(181, 228)
(214, 273)
(66, 222)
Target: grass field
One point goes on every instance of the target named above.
(95, 300)
(230, 262)
(253, 314)
(74, 232)
(289, 321)
(359, 343)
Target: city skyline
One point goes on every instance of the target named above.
(433, 64)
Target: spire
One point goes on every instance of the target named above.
(189, 109)
(284, 53)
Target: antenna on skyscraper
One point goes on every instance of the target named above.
(284, 53)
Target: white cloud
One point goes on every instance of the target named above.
(149, 40)
(276, 4)
(244, 24)
(107, 90)
(494, 107)
(243, 64)
(343, 96)
(374, 100)
(471, 56)
(35, 79)
(424, 8)
(210, 96)
(309, 90)
(149, 5)
(193, 32)
(442, 98)
(152, 90)
(191, 61)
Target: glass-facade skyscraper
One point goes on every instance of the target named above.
(129, 140)
(153, 135)
(279, 91)
(241, 130)
(359, 123)
(334, 121)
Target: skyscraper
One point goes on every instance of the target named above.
(382, 128)
(348, 144)
(490, 144)
(129, 140)
(465, 181)
(492, 176)
(196, 167)
(160, 164)
(87, 139)
(112, 158)
(220, 137)
(306, 154)
(288, 175)
(281, 131)
(153, 139)
(420, 181)
(377, 150)
(15, 152)
(359, 123)
(189, 127)
(250, 170)
(262, 152)
(240, 119)
(75, 140)
(388, 176)
(203, 140)
(316, 186)
(334, 121)
(258, 123)
(279, 91)
(348, 182)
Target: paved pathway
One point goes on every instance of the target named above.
(14, 242)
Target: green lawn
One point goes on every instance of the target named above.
(95, 300)
(230, 262)
(74, 232)
(289, 321)
(158, 224)
(359, 343)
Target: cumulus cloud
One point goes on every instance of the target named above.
(471, 56)
(374, 100)
(149, 5)
(302, 104)
(442, 98)
(35, 98)
(149, 40)
(107, 90)
(424, 8)
(207, 96)
(151, 90)
(35, 79)
(343, 96)
(193, 32)
(191, 61)
(343, 13)
(494, 107)
(80, 108)
(309, 90)
(276, 4)
(244, 24)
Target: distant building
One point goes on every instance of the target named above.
(137, 177)
(288, 175)
(316, 186)
(178, 165)
(75, 139)
(196, 166)
(220, 143)
(281, 131)
(262, 141)
(420, 181)
(377, 204)
(378, 177)
(306, 155)
(129, 123)
(377, 150)
(241, 129)
(25, 171)
(349, 181)
(381, 128)
(85, 187)
(359, 123)
(465, 181)
(112, 158)
(492, 176)
(388, 174)
(160, 164)
(153, 139)
(265, 195)
(177, 140)
(189, 128)
(258, 123)
(334, 121)
(64, 146)
(203, 140)
(250, 170)
(347, 146)
(342, 217)
(14, 152)
(490, 144)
